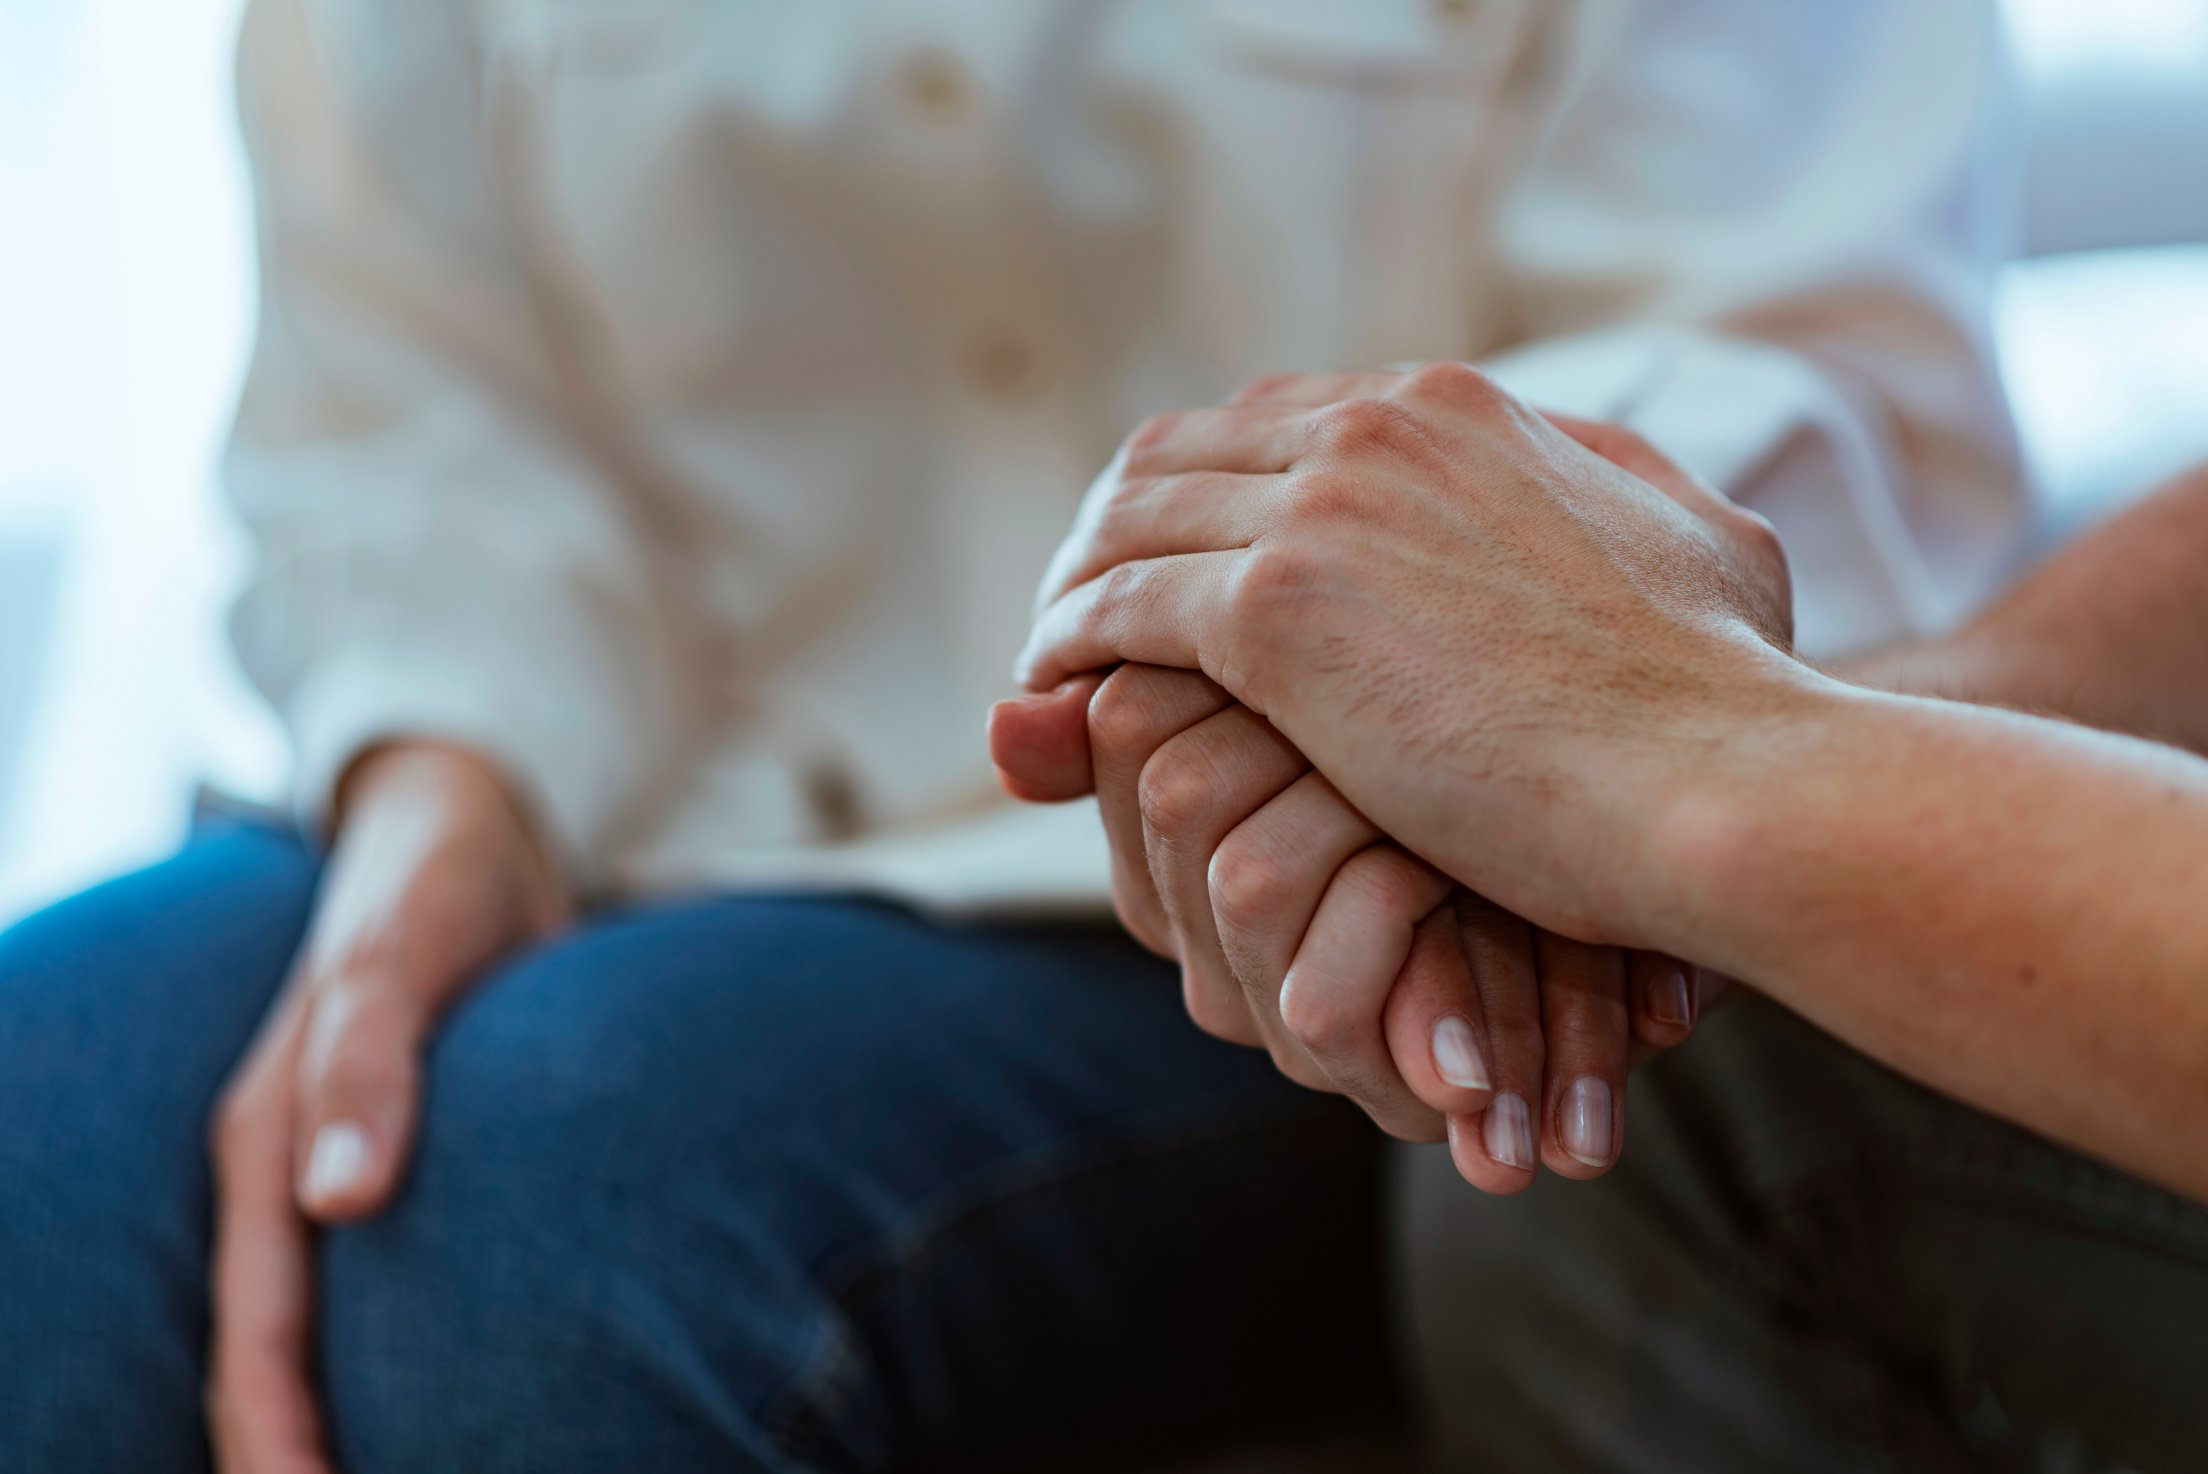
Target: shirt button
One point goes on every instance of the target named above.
(936, 87)
(1002, 363)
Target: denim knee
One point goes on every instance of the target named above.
(553, 1289)
(121, 1012)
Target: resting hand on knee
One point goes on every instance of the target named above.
(434, 876)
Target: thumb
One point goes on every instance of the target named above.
(356, 1095)
(1040, 744)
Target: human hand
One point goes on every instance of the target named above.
(434, 875)
(1508, 651)
(1299, 927)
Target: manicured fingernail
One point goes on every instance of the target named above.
(1457, 1055)
(1508, 1132)
(337, 1162)
(1586, 1122)
(1668, 1002)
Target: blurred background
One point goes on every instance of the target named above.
(126, 301)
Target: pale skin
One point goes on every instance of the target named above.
(1558, 684)
(1234, 858)
(435, 874)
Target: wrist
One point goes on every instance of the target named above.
(1726, 800)
(414, 771)
(415, 790)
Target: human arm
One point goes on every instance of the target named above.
(1561, 686)
(2112, 631)
(2004, 907)
(434, 874)
(453, 610)
(1300, 928)
(1291, 915)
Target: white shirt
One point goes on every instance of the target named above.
(678, 399)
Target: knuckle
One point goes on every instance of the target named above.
(1156, 431)
(1391, 881)
(1457, 385)
(1118, 588)
(1315, 1017)
(1316, 497)
(1755, 533)
(1274, 581)
(1249, 887)
(1133, 491)
(1124, 713)
(1175, 792)
(1267, 387)
(1354, 428)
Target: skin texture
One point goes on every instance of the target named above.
(1384, 621)
(2112, 632)
(1291, 914)
(1565, 688)
(1274, 894)
(434, 875)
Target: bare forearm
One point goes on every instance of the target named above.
(2009, 910)
(2112, 632)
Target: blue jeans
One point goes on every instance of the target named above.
(727, 1183)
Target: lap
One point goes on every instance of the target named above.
(738, 1182)
(827, 1174)
(1805, 1261)
(122, 1011)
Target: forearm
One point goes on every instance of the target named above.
(2007, 909)
(2112, 632)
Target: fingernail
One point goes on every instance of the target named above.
(339, 1158)
(1508, 1132)
(1668, 1002)
(1457, 1055)
(1587, 1121)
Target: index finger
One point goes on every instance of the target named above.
(1168, 611)
(260, 1405)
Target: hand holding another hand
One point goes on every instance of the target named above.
(1362, 970)
(1298, 923)
(1512, 653)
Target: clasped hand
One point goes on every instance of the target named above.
(1284, 580)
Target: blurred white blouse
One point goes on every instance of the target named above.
(678, 399)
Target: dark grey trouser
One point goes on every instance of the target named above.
(1806, 1263)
